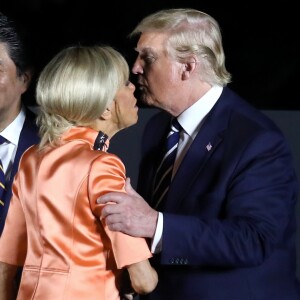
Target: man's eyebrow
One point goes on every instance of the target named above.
(143, 49)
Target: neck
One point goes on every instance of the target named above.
(106, 127)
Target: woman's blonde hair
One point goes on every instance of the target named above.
(76, 87)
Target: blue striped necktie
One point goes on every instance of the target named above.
(2, 178)
(164, 172)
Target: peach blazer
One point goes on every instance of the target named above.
(53, 226)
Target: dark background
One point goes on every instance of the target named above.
(261, 43)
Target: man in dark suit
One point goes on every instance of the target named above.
(225, 227)
(17, 122)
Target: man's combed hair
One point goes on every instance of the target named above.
(191, 32)
(15, 45)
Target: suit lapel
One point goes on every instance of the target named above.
(28, 137)
(200, 152)
(153, 141)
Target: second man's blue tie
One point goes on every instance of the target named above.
(164, 172)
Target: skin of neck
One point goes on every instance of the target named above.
(106, 126)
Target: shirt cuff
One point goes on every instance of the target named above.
(156, 244)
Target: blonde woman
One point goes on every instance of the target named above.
(53, 228)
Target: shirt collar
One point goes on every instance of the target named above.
(13, 130)
(192, 118)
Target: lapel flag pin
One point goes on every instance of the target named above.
(208, 147)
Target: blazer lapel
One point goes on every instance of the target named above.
(28, 137)
(201, 150)
(153, 141)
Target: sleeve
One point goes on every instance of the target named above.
(107, 174)
(13, 242)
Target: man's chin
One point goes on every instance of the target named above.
(142, 99)
(142, 103)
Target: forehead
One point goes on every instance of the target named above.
(151, 41)
(6, 63)
(3, 53)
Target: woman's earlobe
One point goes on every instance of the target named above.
(106, 114)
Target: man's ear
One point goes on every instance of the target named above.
(26, 79)
(188, 67)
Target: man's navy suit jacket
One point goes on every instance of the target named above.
(28, 137)
(229, 219)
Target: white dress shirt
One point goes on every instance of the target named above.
(8, 149)
(191, 121)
